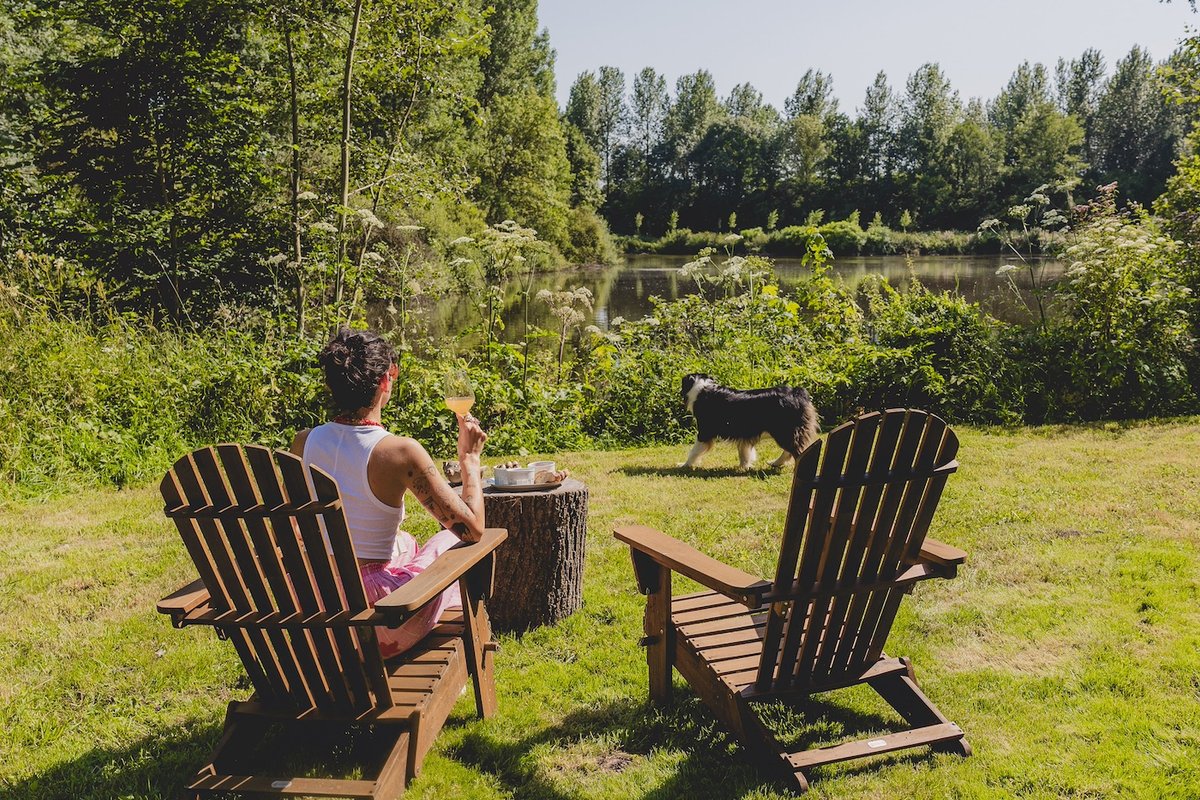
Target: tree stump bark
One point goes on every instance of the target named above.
(539, 569)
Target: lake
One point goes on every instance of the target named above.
(624, 290)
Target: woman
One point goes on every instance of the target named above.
(374, 470)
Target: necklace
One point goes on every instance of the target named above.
(348, 420)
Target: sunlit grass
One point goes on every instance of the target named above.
(1068, 648)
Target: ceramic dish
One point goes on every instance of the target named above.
(528, 487)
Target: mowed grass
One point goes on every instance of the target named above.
(1068, 648)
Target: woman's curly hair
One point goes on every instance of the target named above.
(354, 363)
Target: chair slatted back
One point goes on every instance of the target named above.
(856, 520)
(255, 522)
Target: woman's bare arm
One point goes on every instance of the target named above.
(463, 515)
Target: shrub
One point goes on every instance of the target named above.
(588, 239)
(1126, 313)
(844, 237)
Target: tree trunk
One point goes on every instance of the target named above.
(539, 570)
(297, 253)
(340, 266)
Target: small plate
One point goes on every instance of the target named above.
(533, 487)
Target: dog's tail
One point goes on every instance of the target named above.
(809, 429)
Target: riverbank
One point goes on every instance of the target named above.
(1067, 648)
(845, 238)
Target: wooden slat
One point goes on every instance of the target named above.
(349, 579)
(227, 592)
(882, 435)
(904, 546)
(931, 734)
(828, 611)
(321, 670)
(253, 510)
(884, 536)
(284, 787)
(943, 446)
(815, 544)
(867, 534)
(278, 592)
(184, 599)
(277, 556)
(940, 553)
(246, 583)
(349, 683)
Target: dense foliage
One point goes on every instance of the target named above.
(194, 194)
(92, 395)
(919, 155)
(201, 153)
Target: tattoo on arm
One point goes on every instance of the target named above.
(451, 515)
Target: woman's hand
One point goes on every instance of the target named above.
(470, 438)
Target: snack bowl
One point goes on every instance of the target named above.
(542, 466)
(519, 476)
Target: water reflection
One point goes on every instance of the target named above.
(625, 290)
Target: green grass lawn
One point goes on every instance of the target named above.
(1068, 648)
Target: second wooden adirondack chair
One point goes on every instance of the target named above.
(278, 579)
(853, 544)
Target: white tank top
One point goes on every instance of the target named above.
(343, 451)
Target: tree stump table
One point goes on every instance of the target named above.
(539, 569)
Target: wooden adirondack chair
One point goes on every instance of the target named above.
(256, 523)
(853, 544)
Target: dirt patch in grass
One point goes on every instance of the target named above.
(993, 651)
(616, 761)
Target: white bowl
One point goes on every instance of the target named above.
(538, 466)
(520, 476)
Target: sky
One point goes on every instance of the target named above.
(770, 43)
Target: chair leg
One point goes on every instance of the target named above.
(389, 784)
(760, 743)
(654, 581)
(902, 693)
(478, 634)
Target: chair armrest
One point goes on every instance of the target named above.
(687, 560)
(184, 599)
(939, 553)
(444, 571)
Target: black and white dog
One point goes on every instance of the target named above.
(787, 415)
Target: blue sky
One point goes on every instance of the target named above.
(771, 42)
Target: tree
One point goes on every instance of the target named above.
(929, 112)
(974, 161)
(160, 131)
(647, 110)
(518, 57)
(1136, 133)
(695, 108)
(877, 124)
(583, 108)
(524, 171)
(610, 116)
(585, 168)
(1078, 83)
(1041, 145)
(812, 96)
(746, 102)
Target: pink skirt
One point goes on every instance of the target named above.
(408, 560)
